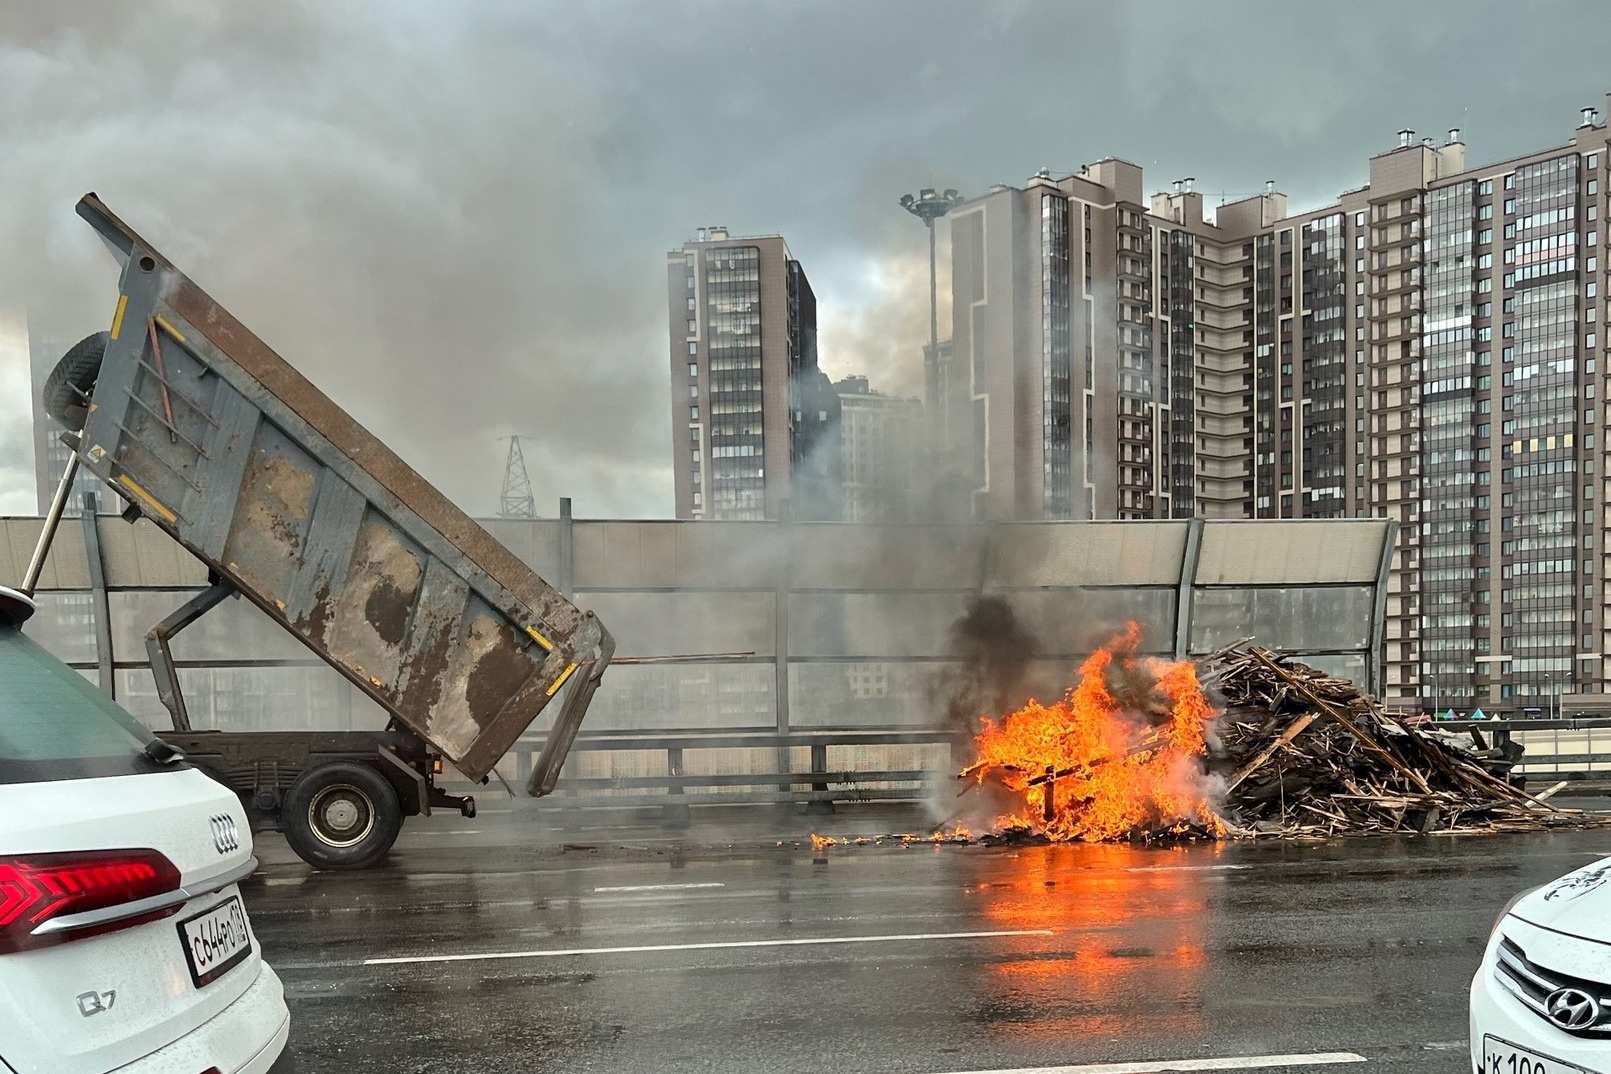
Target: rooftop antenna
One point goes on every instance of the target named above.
(517, 500)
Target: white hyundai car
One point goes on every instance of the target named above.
(123, 941)
(1541, 1002)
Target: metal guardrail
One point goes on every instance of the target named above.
(1539, 763)
(822, 786)
(817, 786)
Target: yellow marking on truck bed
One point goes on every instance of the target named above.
(171, 330)
(150, 500)
(117, 318)
(544, 642)
(554, 689)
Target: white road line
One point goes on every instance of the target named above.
(720, 946)
(1233, 1062)
(660, 887)
(1185, 868)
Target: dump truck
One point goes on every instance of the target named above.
(202, 429)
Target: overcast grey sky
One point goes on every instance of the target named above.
(453, 216)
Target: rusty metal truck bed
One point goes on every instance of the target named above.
(203, 429)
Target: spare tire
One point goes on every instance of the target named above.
(69, 386)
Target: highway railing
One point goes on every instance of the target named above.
(676, 770)
(1575, 748)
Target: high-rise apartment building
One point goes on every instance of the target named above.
(754, 421)
(881, 437)
(1426, 348)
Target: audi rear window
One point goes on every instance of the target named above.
(55, 725)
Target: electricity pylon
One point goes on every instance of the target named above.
(517, 500)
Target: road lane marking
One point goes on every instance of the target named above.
(1185, 868)
(660, 887)
(1233, 1062)
(914, 937)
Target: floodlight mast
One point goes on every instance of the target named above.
(928, 206)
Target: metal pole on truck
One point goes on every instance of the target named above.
(53, 519)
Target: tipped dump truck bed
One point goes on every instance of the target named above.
(287, 499)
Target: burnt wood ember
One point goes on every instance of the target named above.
(1306, 754)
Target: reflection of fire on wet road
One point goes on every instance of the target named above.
(1130, 937)
(1120, 756)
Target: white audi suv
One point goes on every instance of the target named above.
(124, 944)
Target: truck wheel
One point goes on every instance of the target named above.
(68, 387)
(342, 815)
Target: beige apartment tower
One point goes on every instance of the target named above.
(1426, 348)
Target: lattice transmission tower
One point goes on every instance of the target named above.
(517, 500)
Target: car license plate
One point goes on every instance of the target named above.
(1502, 1057)
(216, 940)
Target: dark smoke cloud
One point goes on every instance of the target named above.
(453, 216)
(991, 651)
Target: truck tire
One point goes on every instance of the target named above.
(68, 387)
(341, 815)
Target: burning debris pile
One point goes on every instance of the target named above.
(1314, 755)
(1135, 751)
(1121, 756)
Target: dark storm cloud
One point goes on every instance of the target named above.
(452, 217)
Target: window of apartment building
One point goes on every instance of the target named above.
(1594, 186)
(693, 413)
(1485, 187)
(1485, 236)
(693, 348)
(693, 369)
(1485, 212)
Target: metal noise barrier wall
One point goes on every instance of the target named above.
(842, 626)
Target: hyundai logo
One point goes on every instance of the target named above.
(227, 838)
(1572, 1008)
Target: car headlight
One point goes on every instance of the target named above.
(1509, 906)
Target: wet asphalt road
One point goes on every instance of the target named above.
(1094, 954)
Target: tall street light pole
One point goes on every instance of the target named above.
(928, 206)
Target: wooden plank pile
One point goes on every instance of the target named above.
(1303, 753)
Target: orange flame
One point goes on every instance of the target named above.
(1115, 765)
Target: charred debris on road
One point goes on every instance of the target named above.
(1310, 754)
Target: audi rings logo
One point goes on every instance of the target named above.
(226, 837)
(1572, 1008)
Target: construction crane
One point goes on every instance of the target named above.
(517, 500)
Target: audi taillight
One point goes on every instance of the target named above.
(49, 898)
